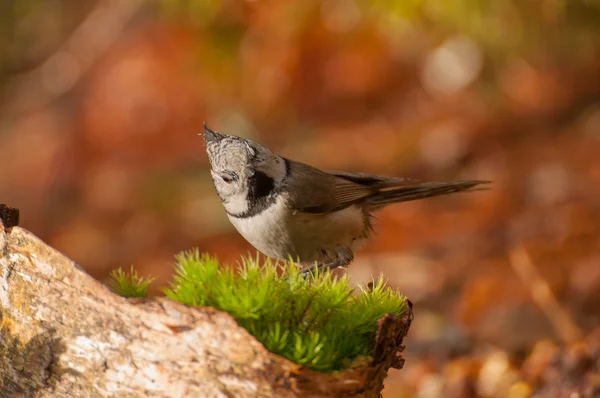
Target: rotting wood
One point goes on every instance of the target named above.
(64, 334)
(9, 216)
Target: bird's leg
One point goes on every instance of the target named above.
(343, 259)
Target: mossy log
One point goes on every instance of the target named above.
(64, 334)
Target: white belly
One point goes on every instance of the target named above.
(279, 233)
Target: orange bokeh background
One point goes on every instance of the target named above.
(103, 101)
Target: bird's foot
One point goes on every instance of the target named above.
(317, 268)
(343, 259)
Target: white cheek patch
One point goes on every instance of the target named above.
(236, 204)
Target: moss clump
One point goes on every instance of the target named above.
(319, 322)
(129, 284)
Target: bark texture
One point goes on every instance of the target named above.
(64, 334)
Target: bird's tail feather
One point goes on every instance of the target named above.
(421, 191)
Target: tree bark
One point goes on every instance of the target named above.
(64, 334)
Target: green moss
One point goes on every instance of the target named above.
(319, 322)
(129, 284)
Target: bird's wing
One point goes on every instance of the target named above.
(372, 180)
(323, 192)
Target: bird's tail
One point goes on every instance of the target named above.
(422, 191)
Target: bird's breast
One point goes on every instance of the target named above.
(281, 232)
(267, 231)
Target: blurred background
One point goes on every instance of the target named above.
(102, 102)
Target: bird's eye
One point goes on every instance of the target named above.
(229, 177)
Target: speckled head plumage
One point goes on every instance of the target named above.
(229, 154)
(244, 172)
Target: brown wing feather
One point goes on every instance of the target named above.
(324, 192)
(372, 180)
(330, 191)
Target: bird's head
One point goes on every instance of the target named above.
(242, 170)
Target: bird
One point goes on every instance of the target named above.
(288, 209)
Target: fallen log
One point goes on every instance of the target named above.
(64, 334)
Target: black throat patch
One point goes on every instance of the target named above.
(262, 193)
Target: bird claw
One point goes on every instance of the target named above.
(318, 268)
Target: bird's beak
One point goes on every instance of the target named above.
(211, 136)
